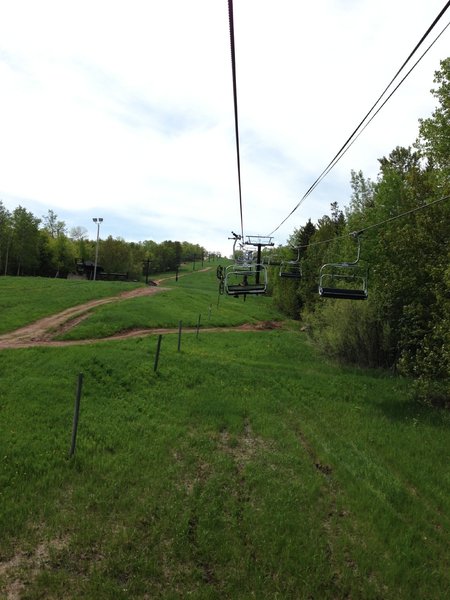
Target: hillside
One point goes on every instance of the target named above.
(246, 465)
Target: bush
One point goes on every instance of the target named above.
(351, 332)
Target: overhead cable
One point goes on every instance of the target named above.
(236, 122)
(339, 156)
(379, 224)
(352, 138)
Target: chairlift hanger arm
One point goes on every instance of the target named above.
(347, 263)
(296, 260)
(236, 237)
(356, 236)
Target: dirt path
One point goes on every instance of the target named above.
(47, 341)
(42, 332)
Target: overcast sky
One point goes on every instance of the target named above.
(123, 109)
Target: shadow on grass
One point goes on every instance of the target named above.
(411, 410)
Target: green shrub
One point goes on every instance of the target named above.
(350, 332)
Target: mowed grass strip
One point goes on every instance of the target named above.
(247, 466)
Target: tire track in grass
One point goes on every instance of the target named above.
(207, 570)
(190, 484)
(206, 567)
(247, 446)
(381, 481)
(241, 452)
(385, 477)
(331, 525)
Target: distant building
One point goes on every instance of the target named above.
(86, 268)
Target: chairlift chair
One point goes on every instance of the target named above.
(344, 280)
(245, 279)
(291, 269)
(246, 275)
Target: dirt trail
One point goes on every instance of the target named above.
(47, 341)
(42, 331)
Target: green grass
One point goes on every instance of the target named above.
(26, 299)
(247, 466)
(194, 295)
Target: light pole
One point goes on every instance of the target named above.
(98, 221)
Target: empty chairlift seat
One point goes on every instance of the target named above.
(340, 283)
(290, 269)
(344, 280)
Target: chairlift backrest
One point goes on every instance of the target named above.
(291, 269)
(344, 280)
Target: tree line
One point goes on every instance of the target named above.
(44, 247)
(405, 323)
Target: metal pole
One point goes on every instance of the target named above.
(179, 334)
(76, 415)
(147, 268)
(98, 221)
(158, 349)
(96, 252)
(258, 267)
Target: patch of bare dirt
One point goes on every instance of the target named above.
(23, 567)
(268, 325)
(243, 448)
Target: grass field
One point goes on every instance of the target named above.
(194, 296)
(26, 299)
(247, 466)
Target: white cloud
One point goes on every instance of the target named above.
(127, 109)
